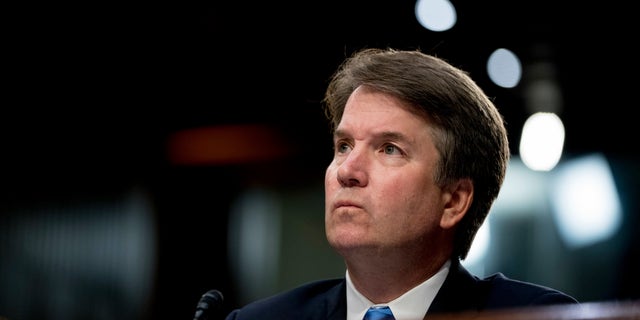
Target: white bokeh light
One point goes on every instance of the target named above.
(586, 203)
(504, 68)
(542, 141)
(436, 15)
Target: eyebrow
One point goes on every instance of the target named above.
(386, 135)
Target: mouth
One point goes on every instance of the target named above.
(345, 204)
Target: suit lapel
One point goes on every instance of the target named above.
(335, 304)
(461, 291)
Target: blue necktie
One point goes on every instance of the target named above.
(379, 313)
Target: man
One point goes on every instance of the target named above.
(420, 154)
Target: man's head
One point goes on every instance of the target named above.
(468, 133)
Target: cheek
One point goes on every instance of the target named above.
(404, 190)
(415, 203)
(330, 187)
(330, 178)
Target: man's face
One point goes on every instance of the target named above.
(379, 189)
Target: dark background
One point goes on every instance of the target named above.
(94, 92)
(149, 69)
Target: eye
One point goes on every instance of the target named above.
(391, 149)
(342, 147)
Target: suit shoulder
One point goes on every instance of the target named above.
(306, 298)
(507, 292)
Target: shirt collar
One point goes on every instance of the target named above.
(412, 305)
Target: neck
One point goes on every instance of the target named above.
(382, 280)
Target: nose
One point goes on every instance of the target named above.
(352, 172)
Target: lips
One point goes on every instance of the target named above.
(345, 204)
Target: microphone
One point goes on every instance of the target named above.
(209, 303)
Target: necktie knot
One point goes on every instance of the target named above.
(379, 313)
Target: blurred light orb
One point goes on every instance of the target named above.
(542, 141)
(504, 68)
(436, 15)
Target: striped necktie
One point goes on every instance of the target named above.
(379, 313)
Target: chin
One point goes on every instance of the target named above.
(346, 241)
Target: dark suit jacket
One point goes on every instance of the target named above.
(461, 291)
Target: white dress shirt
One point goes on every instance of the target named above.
(412, 305)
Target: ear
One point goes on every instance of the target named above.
(457, 200)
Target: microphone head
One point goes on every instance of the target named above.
(209, 303)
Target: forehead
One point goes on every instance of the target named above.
(368, 102)
(370, 114)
